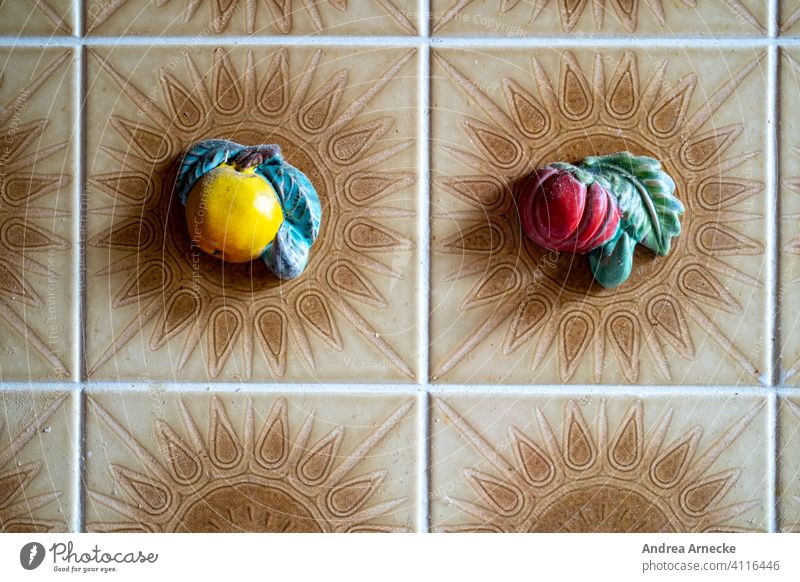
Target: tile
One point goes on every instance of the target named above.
(789, 465)
(506, 311)
(36, 17)
(165, 461)
(790, 16)
(789, 207)
(38, 461)
(515, 463)
(36, 226)
(203, 18)
(159, 310)
(512, 18)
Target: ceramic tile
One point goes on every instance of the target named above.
(212, 17)
(513, 18)
(38, 461)
(790, 16)
(506, 311)
(36, 17)
(789, 465)
(159, 310)
(163, 462)
(36, 228)
(789, 201)
(552, 464)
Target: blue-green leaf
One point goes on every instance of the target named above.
(646, 197)
(612, 262)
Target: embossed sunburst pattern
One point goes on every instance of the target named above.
(27, 224)
(281, 14)
(261, 477)
(150, 261)
(528, 305)
(628, 478)
(570, 12)
(18, 508)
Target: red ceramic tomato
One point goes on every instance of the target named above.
(562, 212)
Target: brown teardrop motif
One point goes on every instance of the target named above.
(183, 464)
(272, 446)
(351, 495)
(502, 281)
(225, 448)
(317, 464)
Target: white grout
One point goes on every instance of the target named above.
(609, 390)
(248, 388)
(773, 269)
(77, 16)
(773, 18)
(79, 519)
(424, 287)
(406, 41)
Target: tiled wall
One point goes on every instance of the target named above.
(432, 370)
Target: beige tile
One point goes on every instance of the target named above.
(38, 461)
(157, 310)
(163, 461)
(789, 207)
(506, 311)
(274, 17)
(513, 18)
(36, 17)
(36, 226)
(789, 17)
(537, 463)
(789, 465)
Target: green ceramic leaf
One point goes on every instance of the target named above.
(612, 262)
(645, 194)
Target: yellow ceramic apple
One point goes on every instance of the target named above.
(233, 213)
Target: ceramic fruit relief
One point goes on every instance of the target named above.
(512, 18)
(36, 225)
(603, 208)
(521, 463)
(789, 465)
(38, 461)
(194, 462)
(273, 17)
(159, 307)
(247, 202)
(789, 208)
(685, 316)
(36, 17)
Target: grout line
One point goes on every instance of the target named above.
(80, 518)
(608, 390)
(773, 18)
(773, 267)
(403, 41)
(611, 390)
(424, 204)
(79, 233)
(772, 221)
(423, 413)
(425, 17)
(288, 389)
(77, 18)
(772, 462)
